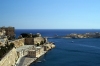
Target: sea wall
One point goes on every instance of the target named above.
(48, 46)
(9, 59)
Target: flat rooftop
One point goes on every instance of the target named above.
(25, 47)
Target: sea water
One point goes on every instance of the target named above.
(80, 52)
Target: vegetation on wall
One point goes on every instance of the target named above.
(5, 49)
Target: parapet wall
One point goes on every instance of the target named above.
(9, 59)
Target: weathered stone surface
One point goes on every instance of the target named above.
(48, 46)
(9, 59)
(32, 41)
(18, 42)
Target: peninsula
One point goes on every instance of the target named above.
(77, 36)
(86, 35)
(21, 51)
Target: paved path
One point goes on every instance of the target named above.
(26, 61)
(21, 61)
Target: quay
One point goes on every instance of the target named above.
(26, 61)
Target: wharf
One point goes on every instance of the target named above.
(26, 61)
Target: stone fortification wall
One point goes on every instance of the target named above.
(18, 42)
(36, 40)
(48, 46)
(29, 41)
(9, 59)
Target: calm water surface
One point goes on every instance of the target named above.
(82, 52)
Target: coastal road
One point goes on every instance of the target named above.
(21, 61)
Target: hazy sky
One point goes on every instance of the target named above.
(50, 14)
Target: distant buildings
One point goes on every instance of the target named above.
(10, 31)
(86, 35)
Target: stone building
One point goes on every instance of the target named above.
(9, 30)
(23, 50)
(36, 53)
(36, 40)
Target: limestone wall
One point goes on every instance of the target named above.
(9, 30)
(9, 59)
(31, 41)
(36, 53)
(48, 46)
(18, 42)
(38, 40)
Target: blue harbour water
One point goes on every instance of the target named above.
(82, 52)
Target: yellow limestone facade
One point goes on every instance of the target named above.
(9, 59)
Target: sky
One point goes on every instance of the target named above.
(50, 14)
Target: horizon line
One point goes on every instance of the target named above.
(57, 29)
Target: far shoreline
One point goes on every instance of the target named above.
(54, 29)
